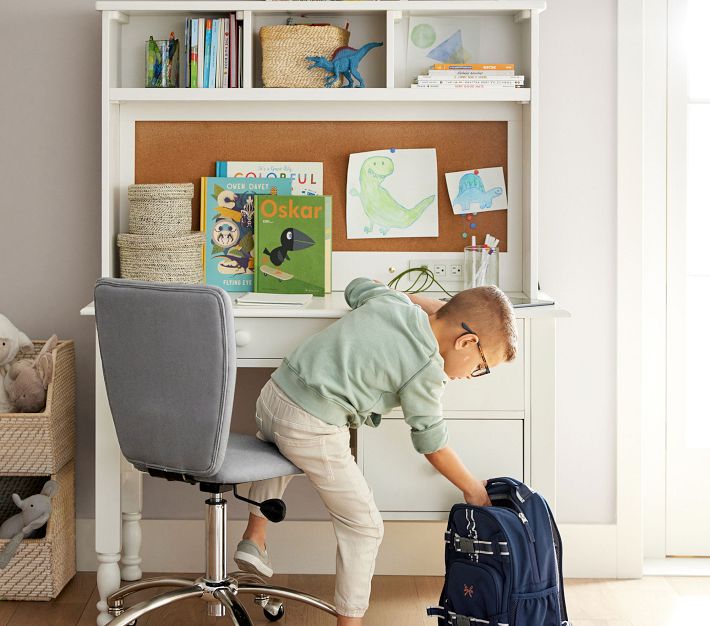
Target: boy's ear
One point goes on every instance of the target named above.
(466, 341)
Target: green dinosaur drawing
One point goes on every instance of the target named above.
(379, 205)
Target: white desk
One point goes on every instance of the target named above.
(515, 424)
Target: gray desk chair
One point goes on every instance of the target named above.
(170, 365)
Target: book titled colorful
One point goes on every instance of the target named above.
(307, 178)
(293, 244)
(227, 219)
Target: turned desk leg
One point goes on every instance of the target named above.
(131, 511)
(108, 499)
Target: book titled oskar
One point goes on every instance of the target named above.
(293, 244)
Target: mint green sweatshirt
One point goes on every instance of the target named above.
(381, 355)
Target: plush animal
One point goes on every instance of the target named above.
(27, 381)
(12, 341)
(35, 512)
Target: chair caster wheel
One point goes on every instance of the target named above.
(274, 617)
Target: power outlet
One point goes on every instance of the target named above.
(455, 270)
(440, 270)
(446, 269)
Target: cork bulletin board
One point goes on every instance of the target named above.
(176, 152)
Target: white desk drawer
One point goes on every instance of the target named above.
(273, 338)
(403, 480)
(501, 390)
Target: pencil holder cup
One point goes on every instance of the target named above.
(162, 60)
(480, 266)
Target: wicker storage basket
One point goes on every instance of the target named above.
(285, 48)
(160, 210)
(175, 259)
(40, 568)
(41, 443)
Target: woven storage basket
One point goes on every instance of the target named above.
(41, 443)
(160, 210)
(285, 48)
(175, 259)
(40, 568)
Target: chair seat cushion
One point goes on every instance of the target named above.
(249, 459)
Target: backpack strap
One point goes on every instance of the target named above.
(454, 619)
(467, 545)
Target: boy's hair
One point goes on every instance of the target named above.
(493, 314)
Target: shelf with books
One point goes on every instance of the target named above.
(462, 31)
(382, 94)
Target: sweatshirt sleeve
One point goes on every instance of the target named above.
(361, 290)
(421, 404)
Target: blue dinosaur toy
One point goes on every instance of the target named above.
(472, 192)
(344, 61)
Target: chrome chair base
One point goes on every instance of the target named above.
(219, 589)
(221, 596)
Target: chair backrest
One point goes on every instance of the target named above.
(170, 366)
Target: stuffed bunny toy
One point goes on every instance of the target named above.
(26, 382)
(12, 341)
(35, 514)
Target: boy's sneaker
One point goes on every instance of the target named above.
(250, 558)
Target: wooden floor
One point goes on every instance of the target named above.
(398, 601)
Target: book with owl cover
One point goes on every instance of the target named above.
(227, 219)
(293, 244)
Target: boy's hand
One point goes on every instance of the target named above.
(479, 496)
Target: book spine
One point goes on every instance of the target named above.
(201, 53)
(221, 169)
(233, 43)
(481, 73)
(195, 29)
(208, 52)
(240, 53)
(468, 83)
(474, 66)
(185, 67)
(257, 252)
(219, 42)
(203, 225)
(460, 86)
(225, 52)
(492, 82)
(214, 45)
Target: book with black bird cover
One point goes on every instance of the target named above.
(292, 251)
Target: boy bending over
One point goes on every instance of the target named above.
(390, 350)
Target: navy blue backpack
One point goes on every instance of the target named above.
(503, 562)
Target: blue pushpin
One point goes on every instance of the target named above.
(393, 150)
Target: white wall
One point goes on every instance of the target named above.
(49, 228)
(578, 245)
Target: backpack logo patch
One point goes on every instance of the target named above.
(468, 591)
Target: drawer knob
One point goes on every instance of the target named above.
(242, 337)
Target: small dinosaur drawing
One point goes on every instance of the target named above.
(344, 61)
(473, 192)
(379, 206)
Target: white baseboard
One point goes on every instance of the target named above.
(409, 548)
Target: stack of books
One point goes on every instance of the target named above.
(476, 76)
(267, 228)
(212, 52)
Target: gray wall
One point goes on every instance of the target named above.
(50, 213)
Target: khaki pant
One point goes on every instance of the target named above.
(322, 451)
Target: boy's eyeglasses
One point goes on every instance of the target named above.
(483, 369)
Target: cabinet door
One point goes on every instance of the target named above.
(403, 480)
(501, 390)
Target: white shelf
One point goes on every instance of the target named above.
(415, 7)
(374, 94)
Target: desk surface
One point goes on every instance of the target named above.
(334, 306)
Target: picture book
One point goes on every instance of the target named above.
(227, 219)
(293, 244)
(307, 178)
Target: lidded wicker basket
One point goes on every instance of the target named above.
(160, 210)
(285, 48)
(176, 259)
